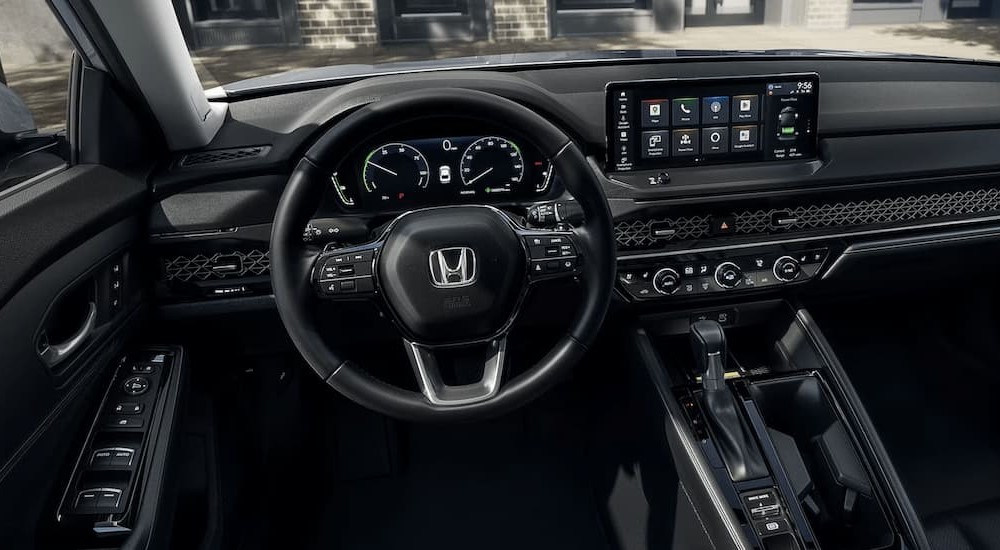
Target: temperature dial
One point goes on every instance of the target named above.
(786, 269)
(666, 281)
(728, 275)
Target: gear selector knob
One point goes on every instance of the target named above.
(708, 342)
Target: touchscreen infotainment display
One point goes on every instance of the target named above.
(688, 122)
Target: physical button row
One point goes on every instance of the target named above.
(358, 264)
(103, 500)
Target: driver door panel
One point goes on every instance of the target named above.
(69, 300)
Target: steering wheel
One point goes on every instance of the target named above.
(450, 277)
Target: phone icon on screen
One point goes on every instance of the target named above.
(685, 109)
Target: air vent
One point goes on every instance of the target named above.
(202, 267)
(223, 155)
(900, 209)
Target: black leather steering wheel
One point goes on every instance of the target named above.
(451, 277)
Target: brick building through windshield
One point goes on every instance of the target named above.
(358, 23)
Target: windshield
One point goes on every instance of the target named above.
(233, 40)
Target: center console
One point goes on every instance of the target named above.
(773, 427)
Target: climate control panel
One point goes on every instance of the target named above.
(721, 271)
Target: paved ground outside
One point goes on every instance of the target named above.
(43, 85)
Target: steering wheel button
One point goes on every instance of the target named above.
(552, 266)
(345, 270)
(348, 286)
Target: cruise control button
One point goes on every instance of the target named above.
(348, 286)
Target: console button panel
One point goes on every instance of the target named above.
(690, 275)
(107, 473)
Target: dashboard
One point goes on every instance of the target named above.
(874, 151)
(459, 162)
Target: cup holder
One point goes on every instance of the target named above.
(823, 466)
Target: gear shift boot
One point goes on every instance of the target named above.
(732, 435)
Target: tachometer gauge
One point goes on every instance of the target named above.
(492, 163)
(395, 168)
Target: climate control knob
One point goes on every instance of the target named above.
(786, 269)
(728, 275)
(666, 281)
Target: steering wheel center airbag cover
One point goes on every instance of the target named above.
(452, 273)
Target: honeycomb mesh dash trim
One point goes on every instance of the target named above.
(633, 234)
(222, 155)
(199, 266)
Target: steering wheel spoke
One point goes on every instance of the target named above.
(346, 273)
(427, 368)
(551, 254)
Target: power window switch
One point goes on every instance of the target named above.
(107, 500)
(122, 457)
(124, 422)
(101, 458)
(86, 501)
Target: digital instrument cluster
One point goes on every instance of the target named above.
(443, 170)
(654, 124)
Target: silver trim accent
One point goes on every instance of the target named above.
(656, 275)
(424, 364)
(774, 269)
(53, 354)
(193, 234)
(720, 283)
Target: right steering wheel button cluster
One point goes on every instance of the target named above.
(551, 255)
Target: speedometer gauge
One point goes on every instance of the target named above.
(492, 163)
(395, 168)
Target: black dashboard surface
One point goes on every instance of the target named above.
(903, 145)
(890, 103)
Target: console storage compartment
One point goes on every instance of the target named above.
(826, 473)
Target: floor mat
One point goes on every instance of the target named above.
(492, 487)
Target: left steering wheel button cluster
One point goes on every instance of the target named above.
(348, 273)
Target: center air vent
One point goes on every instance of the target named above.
(223, 155)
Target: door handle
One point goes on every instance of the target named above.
(53, 354)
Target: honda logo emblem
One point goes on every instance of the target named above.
(453, 267)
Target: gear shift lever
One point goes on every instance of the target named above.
(732, 435)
